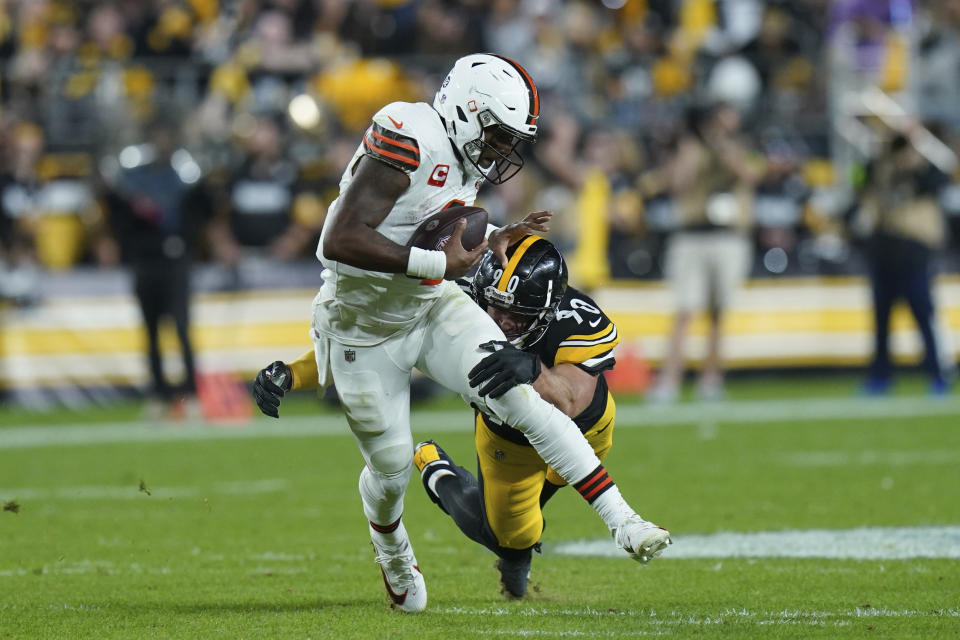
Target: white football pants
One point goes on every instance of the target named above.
(373, 384)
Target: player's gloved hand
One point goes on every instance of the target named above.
(270, 385)
(503, 369)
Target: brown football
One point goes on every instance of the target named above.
(434, 232)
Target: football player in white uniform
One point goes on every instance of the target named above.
(385, 308)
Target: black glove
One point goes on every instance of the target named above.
(503, 369)
(270, 385)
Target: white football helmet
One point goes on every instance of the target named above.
(489, 93)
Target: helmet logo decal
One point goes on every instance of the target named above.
(439, 176)
(472, 106)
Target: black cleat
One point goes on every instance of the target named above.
(514, 574)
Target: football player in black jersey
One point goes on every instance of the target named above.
(563, 342)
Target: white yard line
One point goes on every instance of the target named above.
(705, 416)
(863, 543)
(676, 617)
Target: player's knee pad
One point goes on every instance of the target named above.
(388, 456)
(382, 494)
(363, 403)
(384, 486)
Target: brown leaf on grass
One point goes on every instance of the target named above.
(143, 488)
(13, 506)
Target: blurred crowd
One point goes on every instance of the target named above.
(217, 130)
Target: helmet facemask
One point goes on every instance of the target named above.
(536, 323)
(496, 148)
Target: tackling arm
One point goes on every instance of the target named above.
(567, 387)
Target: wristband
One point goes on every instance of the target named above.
(429, 265)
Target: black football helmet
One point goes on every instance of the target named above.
(532, 285)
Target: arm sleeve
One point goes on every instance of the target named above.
(304, 370)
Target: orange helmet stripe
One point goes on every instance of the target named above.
(532, 88)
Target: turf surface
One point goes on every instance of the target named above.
(263, 537)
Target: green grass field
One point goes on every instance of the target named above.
(114, 529)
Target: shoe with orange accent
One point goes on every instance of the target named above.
(643, 540)
(402, 578)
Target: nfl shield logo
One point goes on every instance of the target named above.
(349, 355)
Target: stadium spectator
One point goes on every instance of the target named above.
(710, 179)
(48, 197)
(19, 190)
(597, 166)
(900, 202)
(154, 215)
(262, 208)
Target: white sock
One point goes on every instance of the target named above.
(391, 536)
(599, 490)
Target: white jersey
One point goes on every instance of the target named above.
(363, 307)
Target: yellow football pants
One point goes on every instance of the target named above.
(513, 475)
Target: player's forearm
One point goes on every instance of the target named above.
(365, 248)
(558, 391)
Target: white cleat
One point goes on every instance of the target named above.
(643, 540)
(402, 578)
